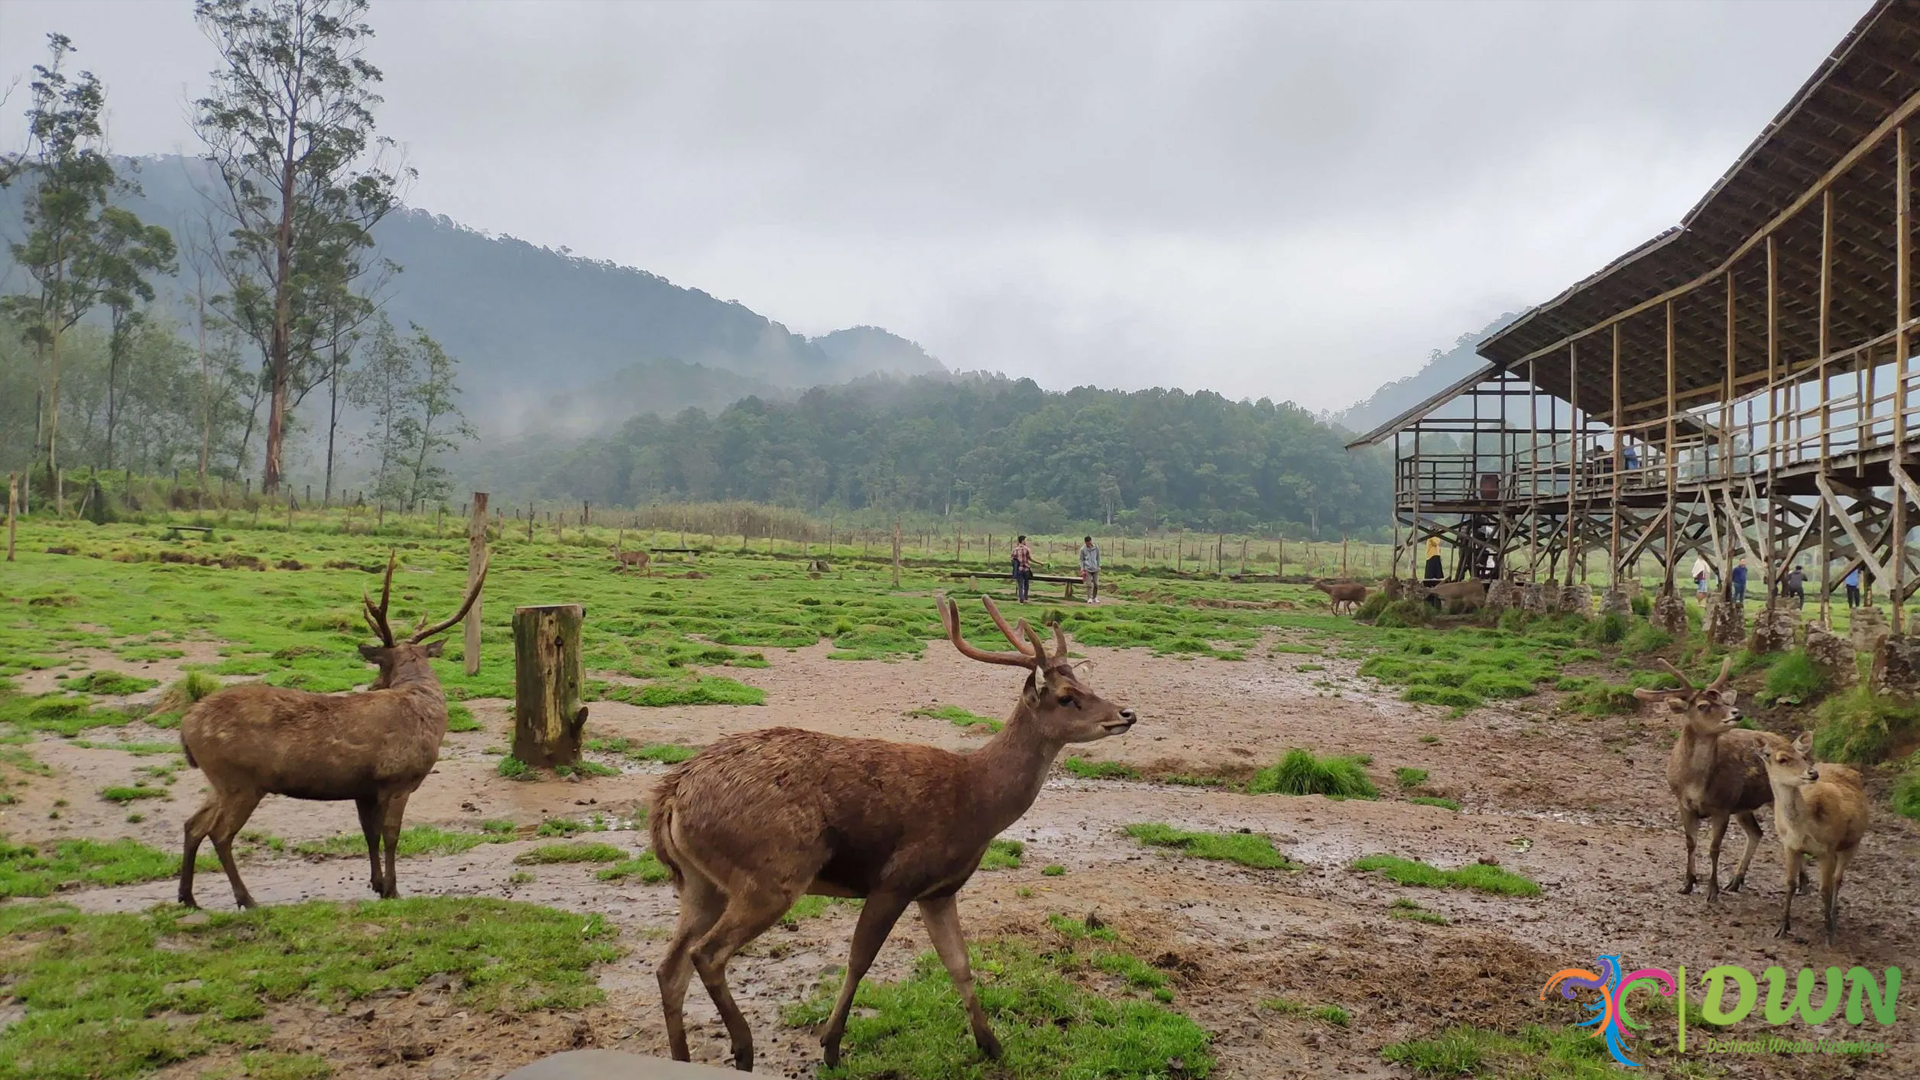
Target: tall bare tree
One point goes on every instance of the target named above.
(71, 178)
(129, 252)
(289, 126)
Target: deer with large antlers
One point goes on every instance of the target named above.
(1714, 771)
(373, 747)
(757, 820)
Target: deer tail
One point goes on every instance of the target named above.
(660, 825)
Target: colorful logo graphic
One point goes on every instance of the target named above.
(1728, 995)
(1610, 1020)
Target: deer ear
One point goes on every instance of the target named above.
(435, 648)
(372, 652)
(1678, 703)
(1804, 743)
(1729, 698)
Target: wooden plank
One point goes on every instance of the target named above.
(1861, 547)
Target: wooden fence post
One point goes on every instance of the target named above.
(476, 555)
(13, 497)
(547, 680)
(896, 554)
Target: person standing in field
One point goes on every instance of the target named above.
(1434, 570)
(1022, 567)
(1090, 569)
(1797, 586)
(1739, 580)
(1853, 587)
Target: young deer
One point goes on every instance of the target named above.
(1713, 772)
(1820, 811)
(630, 559)
(1339, 593)
(374, 747)
(759, 819)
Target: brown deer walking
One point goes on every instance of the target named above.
(759, 819)
(373, 747)
(626, 560)
(1820, 811)
(1713, 771)
(1342, 593)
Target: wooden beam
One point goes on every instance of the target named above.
(1673, 463)
(1903, 348)
(1619, 454)
(1860, 545)
(1840, 168)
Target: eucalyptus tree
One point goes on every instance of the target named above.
(129, 253)
(289, 127)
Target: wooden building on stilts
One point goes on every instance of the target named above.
(1740, 386)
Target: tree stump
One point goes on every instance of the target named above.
(1774, 630)
(1670, 615)
(547, 679)
(1831, 652)
(1896, 667)
(1725, 623)
(1502, 594)
(1617, 602)
(1869, 630)
(1576, 600)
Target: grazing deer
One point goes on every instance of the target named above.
(1339, 593)
(628, 559)
(1819, 811)
(759, 819)
(373, 747)
(1713, 772)
(1470, 593)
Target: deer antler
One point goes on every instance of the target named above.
(1059, 641)
(1039, 646)
(377, 616)
(1686, 684)
(1726, 668)
(473, 593)
(1000, 621)
(950, 617)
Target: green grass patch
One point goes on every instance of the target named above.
(41, 869)
(646, 867)
(514, 769)
(1137, 972)
(139, 749)
(460, 718)
(1048, 1025)
(1087, 769)
(698, 690)
(1537, 1052)
(1003, 855)
(111, 997)
(125, 795)
(1404, 908)
(585, 768)
(571, 853)
(1906, 790)
(1488, 879)
(1247, 849)
(1793, 679)
(1861, 727)
(109, 684)
(1408, 777)
(1301, 773)
(958, 717)
(1435, 800)
(1332, 1014)
(414, 840)
(1053, 870)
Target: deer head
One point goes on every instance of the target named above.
(406, 661)
(1061, 706)
(1791, 765)
(1705, 710)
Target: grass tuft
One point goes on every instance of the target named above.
(1247, 849)
(571, 853)
(1861, 727)
(1409, 778)
(1464, 1050)
(41, 869)
(1794, 679)
(958, 717)
(1003, 855)
(1087, 769)
(1332, 1014)
(646, 867)
(1301, 773)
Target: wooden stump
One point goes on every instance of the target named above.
(547, 680)
(476, 555)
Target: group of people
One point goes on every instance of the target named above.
(1022, 556)
(1794, 586)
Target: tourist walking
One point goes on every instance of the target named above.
(1700, 572)
(1797, 587)
(1434, 570)
(1853, 587)
(1090, 569)
(1739, 580)
(1022, 567)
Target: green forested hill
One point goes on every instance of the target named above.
(983, 444)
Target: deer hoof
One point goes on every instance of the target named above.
(1687, 888)
(830, 1053)
(989, 1045)
(1734, 885)
(1781, 930)
(743, 1061)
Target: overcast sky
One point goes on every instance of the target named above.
(1294, 200)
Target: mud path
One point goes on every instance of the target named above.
(1579, 805)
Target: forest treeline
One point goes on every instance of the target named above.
(983, 445)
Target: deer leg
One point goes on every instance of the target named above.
(369, 808)
(746, 917)
(1689, 824)
(876, 922)
(1833, 868)
(234, 811)
(394, 809)
(198, 826)
(942, 916)
(1793, 877)
(1717, 826)
(1752, 828)
(700, 906)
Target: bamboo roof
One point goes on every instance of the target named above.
(1419, 412)
(1867, 85)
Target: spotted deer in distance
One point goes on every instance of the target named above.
(627, 560)
(1713, 770)
(757, 820)
(1342, 593)
(1820, 812)
(373, 747)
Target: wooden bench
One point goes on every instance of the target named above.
(174, 531)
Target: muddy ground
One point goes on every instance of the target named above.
(1578, 804)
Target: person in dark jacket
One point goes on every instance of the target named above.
(1739, 580)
